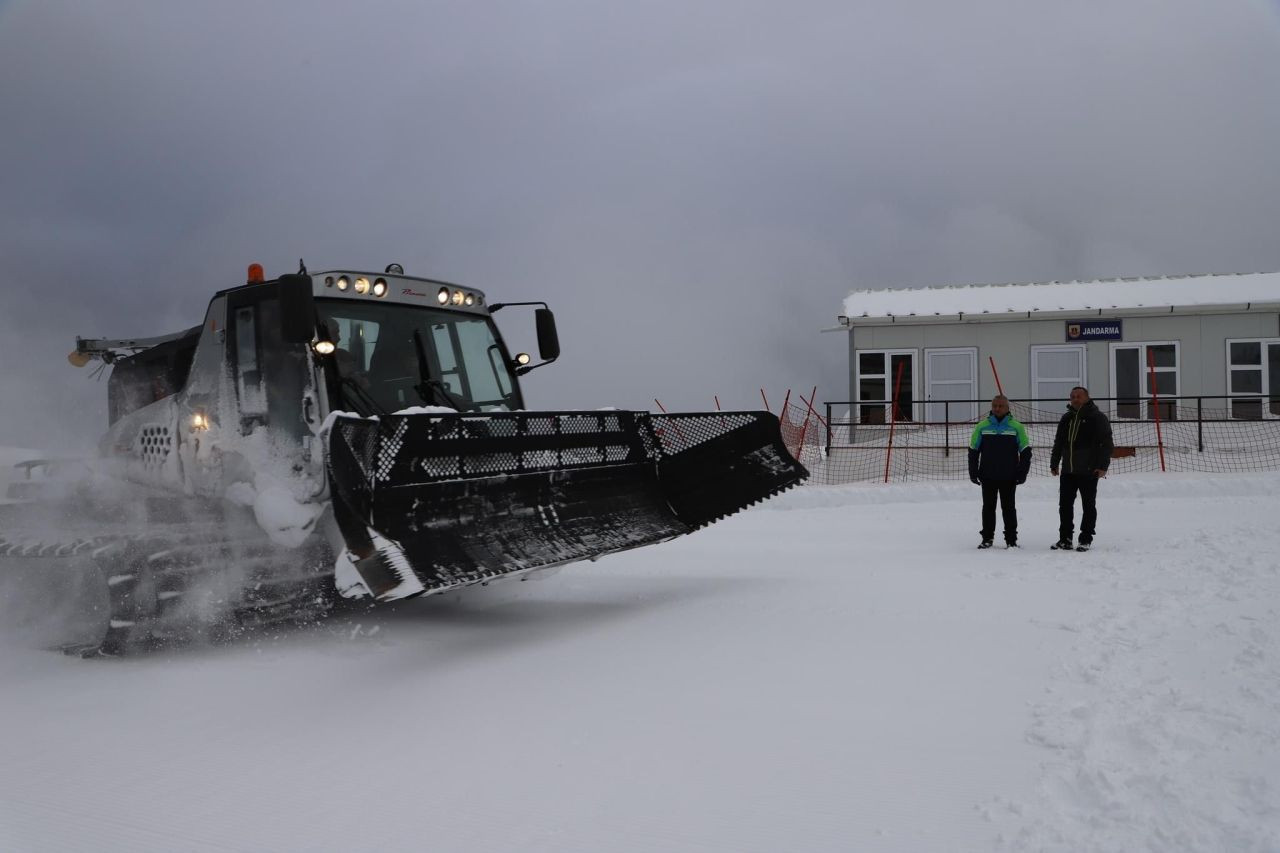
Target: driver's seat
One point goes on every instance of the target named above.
(393, 360)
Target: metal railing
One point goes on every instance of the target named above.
(868, 420)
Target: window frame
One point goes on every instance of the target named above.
(929, 382)
(246, 360)
(1265, 396)
(467, 361)
(888, 353)
(285, 377)
(394, 318)
(1143, 371)
(1036, 379)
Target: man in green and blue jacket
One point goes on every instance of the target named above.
(999, 459)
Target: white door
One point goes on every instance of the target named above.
(1055, 370)
(951, 374)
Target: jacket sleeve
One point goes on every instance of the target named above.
(1024, 453)
(1059, 443)
(975, 442)
(1104, 445)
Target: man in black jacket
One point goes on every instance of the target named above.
(1083, 447)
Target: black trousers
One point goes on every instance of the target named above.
(1087, 485)
(1004, 489)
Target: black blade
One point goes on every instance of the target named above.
(471, 497)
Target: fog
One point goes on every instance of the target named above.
(693, 187)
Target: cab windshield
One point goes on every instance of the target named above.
(377, 358)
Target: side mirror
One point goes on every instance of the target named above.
(297, 309)
(548, 340)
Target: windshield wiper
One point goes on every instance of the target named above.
(428, 385)
(360, 398)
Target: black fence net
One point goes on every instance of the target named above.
(869, 440)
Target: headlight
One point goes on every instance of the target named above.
(380, 287)
(471, 299)
(457, 297)
(362, 285)
(324, 347)
(443, 296)
(343, 284)
(328, 281)
(522, 358)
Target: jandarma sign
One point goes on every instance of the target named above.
(1094, 330)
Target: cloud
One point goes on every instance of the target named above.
(693, 186)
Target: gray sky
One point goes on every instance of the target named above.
(693, 186)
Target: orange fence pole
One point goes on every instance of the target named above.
(1155, 402)
(992, 359)
(804, 429)
(665, 412)
(821, 420)
(897, 387)
(784, 419)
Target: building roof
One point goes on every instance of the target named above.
(1171, 294)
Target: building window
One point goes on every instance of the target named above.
(1055, 370)
(950, 374)
(876, 375)
(1253, 378)
(1132, 379)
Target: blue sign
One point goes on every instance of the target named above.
(1094, 330)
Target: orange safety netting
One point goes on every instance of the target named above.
(1195, 434)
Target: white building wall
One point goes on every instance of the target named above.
(1201, 338)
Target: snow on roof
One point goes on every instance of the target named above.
(1106, 294)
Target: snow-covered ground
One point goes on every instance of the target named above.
(836, 670)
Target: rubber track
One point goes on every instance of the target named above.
(41, 549)
(147, 578)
